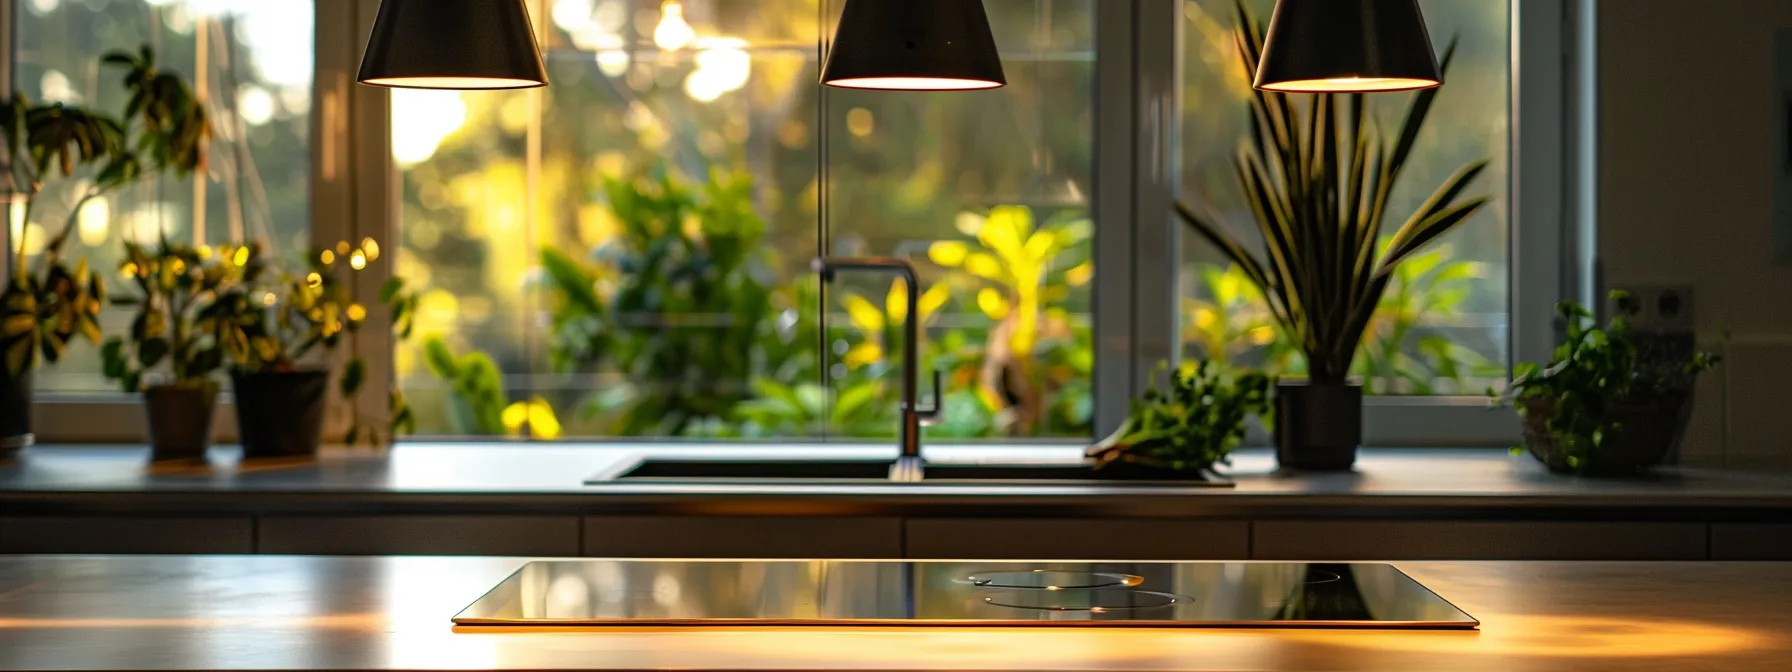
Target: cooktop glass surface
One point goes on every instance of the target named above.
(846, 592)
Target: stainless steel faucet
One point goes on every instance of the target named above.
(908, 465)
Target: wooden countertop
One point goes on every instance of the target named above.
(299, 613)
(494, 478)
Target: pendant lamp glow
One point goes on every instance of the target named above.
(914, 45)
(1347, 46)
(453, 44)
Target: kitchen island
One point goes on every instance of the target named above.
(305, 613)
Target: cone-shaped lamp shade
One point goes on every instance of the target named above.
(1347, 46)
(914, 45)
(453, 44)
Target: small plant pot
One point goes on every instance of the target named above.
(1318, 425)
(180, 420)
(15, 412)
(1649, 431)
(280, 414)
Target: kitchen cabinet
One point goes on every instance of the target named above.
(1479, 540)
(742, 537)
(125, 534)
(419, 535)
(1083, 539)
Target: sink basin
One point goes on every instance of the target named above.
(692, 470)
(686, 470)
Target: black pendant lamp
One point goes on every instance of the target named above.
(453, 44)
(1347, 46)
(914, 45)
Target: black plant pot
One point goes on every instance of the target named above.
(280, 414)
(15, 412)
(1318, 425)
(180, 420)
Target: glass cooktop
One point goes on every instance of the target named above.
(614, 593)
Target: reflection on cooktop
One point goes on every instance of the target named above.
(1046, 579)
(1096, 601)
(835, 592)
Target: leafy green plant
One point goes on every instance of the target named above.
(478, 400)
(808, 409)
(1022, 273)
(1229, 323)
(163, 128)
(1193, 424)
(689, 311)
(275, 321)
(175, 328)
(1318, 176)
(280, 322)
(1590, 372)
(580, 333)
(1401, 352)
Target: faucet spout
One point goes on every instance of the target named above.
(913, 416)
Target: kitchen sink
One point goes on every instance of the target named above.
(867, 471)
(800, 471)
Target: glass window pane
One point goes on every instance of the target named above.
(250, 60)
(1442, 326)
(627, 252)
(988, 193)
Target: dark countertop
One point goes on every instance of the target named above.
(492, 478)
(309, 613)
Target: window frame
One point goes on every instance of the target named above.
(1137, 120)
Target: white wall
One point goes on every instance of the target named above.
(1686, 160)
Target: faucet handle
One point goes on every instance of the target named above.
(931, 414)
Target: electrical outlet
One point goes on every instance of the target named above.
(1660, 308)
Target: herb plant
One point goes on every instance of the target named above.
(1192, 425)
(1591, 372)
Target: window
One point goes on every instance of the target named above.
(250, 59)
(627, 253)
(1443, 326)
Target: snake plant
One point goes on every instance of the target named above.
(1318, 174)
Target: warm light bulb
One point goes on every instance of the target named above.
(1350, 85)
(673, 33)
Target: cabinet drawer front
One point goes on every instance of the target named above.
(742, 537)
(1077, 539)
(49, 534)
(420, 535)
(1751, 541)
(1477, 540)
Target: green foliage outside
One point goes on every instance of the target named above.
(1404, 350)
(674, 314)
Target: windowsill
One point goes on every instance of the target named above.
(548, 478)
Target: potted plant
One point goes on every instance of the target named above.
(1598, 407)
(175, 342)
(280, 332)
(1185, 430)
(46, 305)
(1317, 175)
